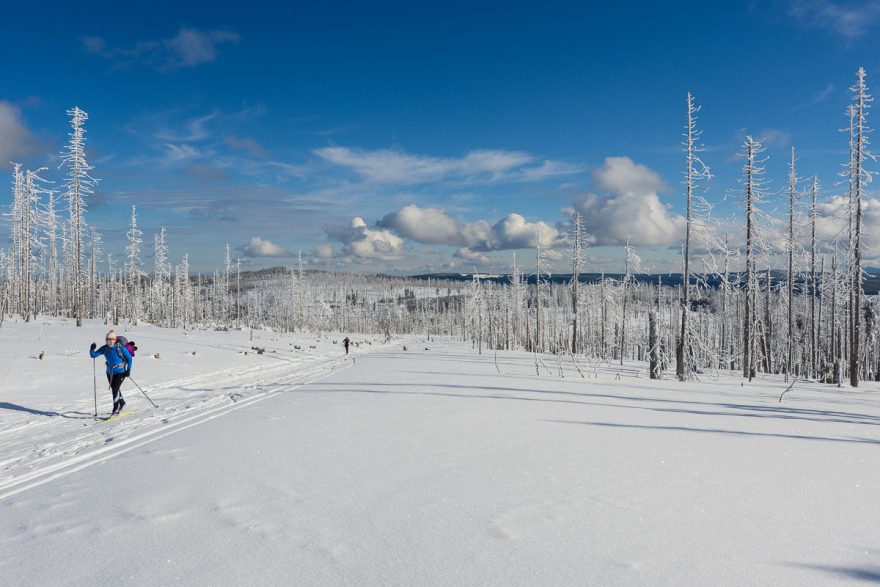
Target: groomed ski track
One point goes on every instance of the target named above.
(47, 452)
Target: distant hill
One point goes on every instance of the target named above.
(872, 280)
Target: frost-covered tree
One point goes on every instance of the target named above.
(542, 286)
(51, 230)
(792, 202)
(17, 214)
(577, 250)
(227, 272)
(133, 267)
(30, 237)
(159, 292)
(695, 171)
(95, 254)
(183, 293)
(80, 185)
(632, 264)
(161, 269)
(814, 323)
(860, 177)
(518, 318)
(753, 195)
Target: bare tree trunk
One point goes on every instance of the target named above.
(653, 343)
(750, 271)
(768, 330)
(792, 186)
(814, 335)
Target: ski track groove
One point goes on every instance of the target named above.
(174, 415)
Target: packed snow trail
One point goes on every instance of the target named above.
(48, 432)
(431, 467)
(149, 428)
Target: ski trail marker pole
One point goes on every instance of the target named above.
(143, 392)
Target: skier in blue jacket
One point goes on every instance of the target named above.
(118, 366)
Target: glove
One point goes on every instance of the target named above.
(93, 347)
(128, 373)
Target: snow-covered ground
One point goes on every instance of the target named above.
(418, 467)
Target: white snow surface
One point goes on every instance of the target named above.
(421, 467)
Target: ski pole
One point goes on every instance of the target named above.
(143, 392)
(95, 385)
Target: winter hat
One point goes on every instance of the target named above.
(111, 335)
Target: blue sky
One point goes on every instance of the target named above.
(409, 137)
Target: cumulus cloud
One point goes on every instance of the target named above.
(425, 225)
(469, 255)
(363, 242)
(259, 247)
(189, 48)
(392, 166)
(622, 174)
(15, 139)
(322, 252)
(434, 226)
(832, 225)
(514, 232)
(630, 208)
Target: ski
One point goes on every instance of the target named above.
(113, 417)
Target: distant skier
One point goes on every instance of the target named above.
(119, 361)
(345, 343)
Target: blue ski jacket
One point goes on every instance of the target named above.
(115, 362)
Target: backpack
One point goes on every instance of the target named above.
(129, 346)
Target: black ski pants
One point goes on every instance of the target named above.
(115, 380)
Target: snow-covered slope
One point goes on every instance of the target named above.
(427, 467)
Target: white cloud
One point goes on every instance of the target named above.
(775, 138)
(514, 232)
(469, 255)
(247, 144)
(548, 169)
(390, 166)
(832, 224)
(632, 210)
(193, 47)
(322, 252)
(365, 243)
(434, 226)
(175, 154)
(15, 138)
(850, 21)
(622, 175)
(425, 225)
(817, 98)
(770, 138)
(195, 130)
(189, 48)
(258, 247)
